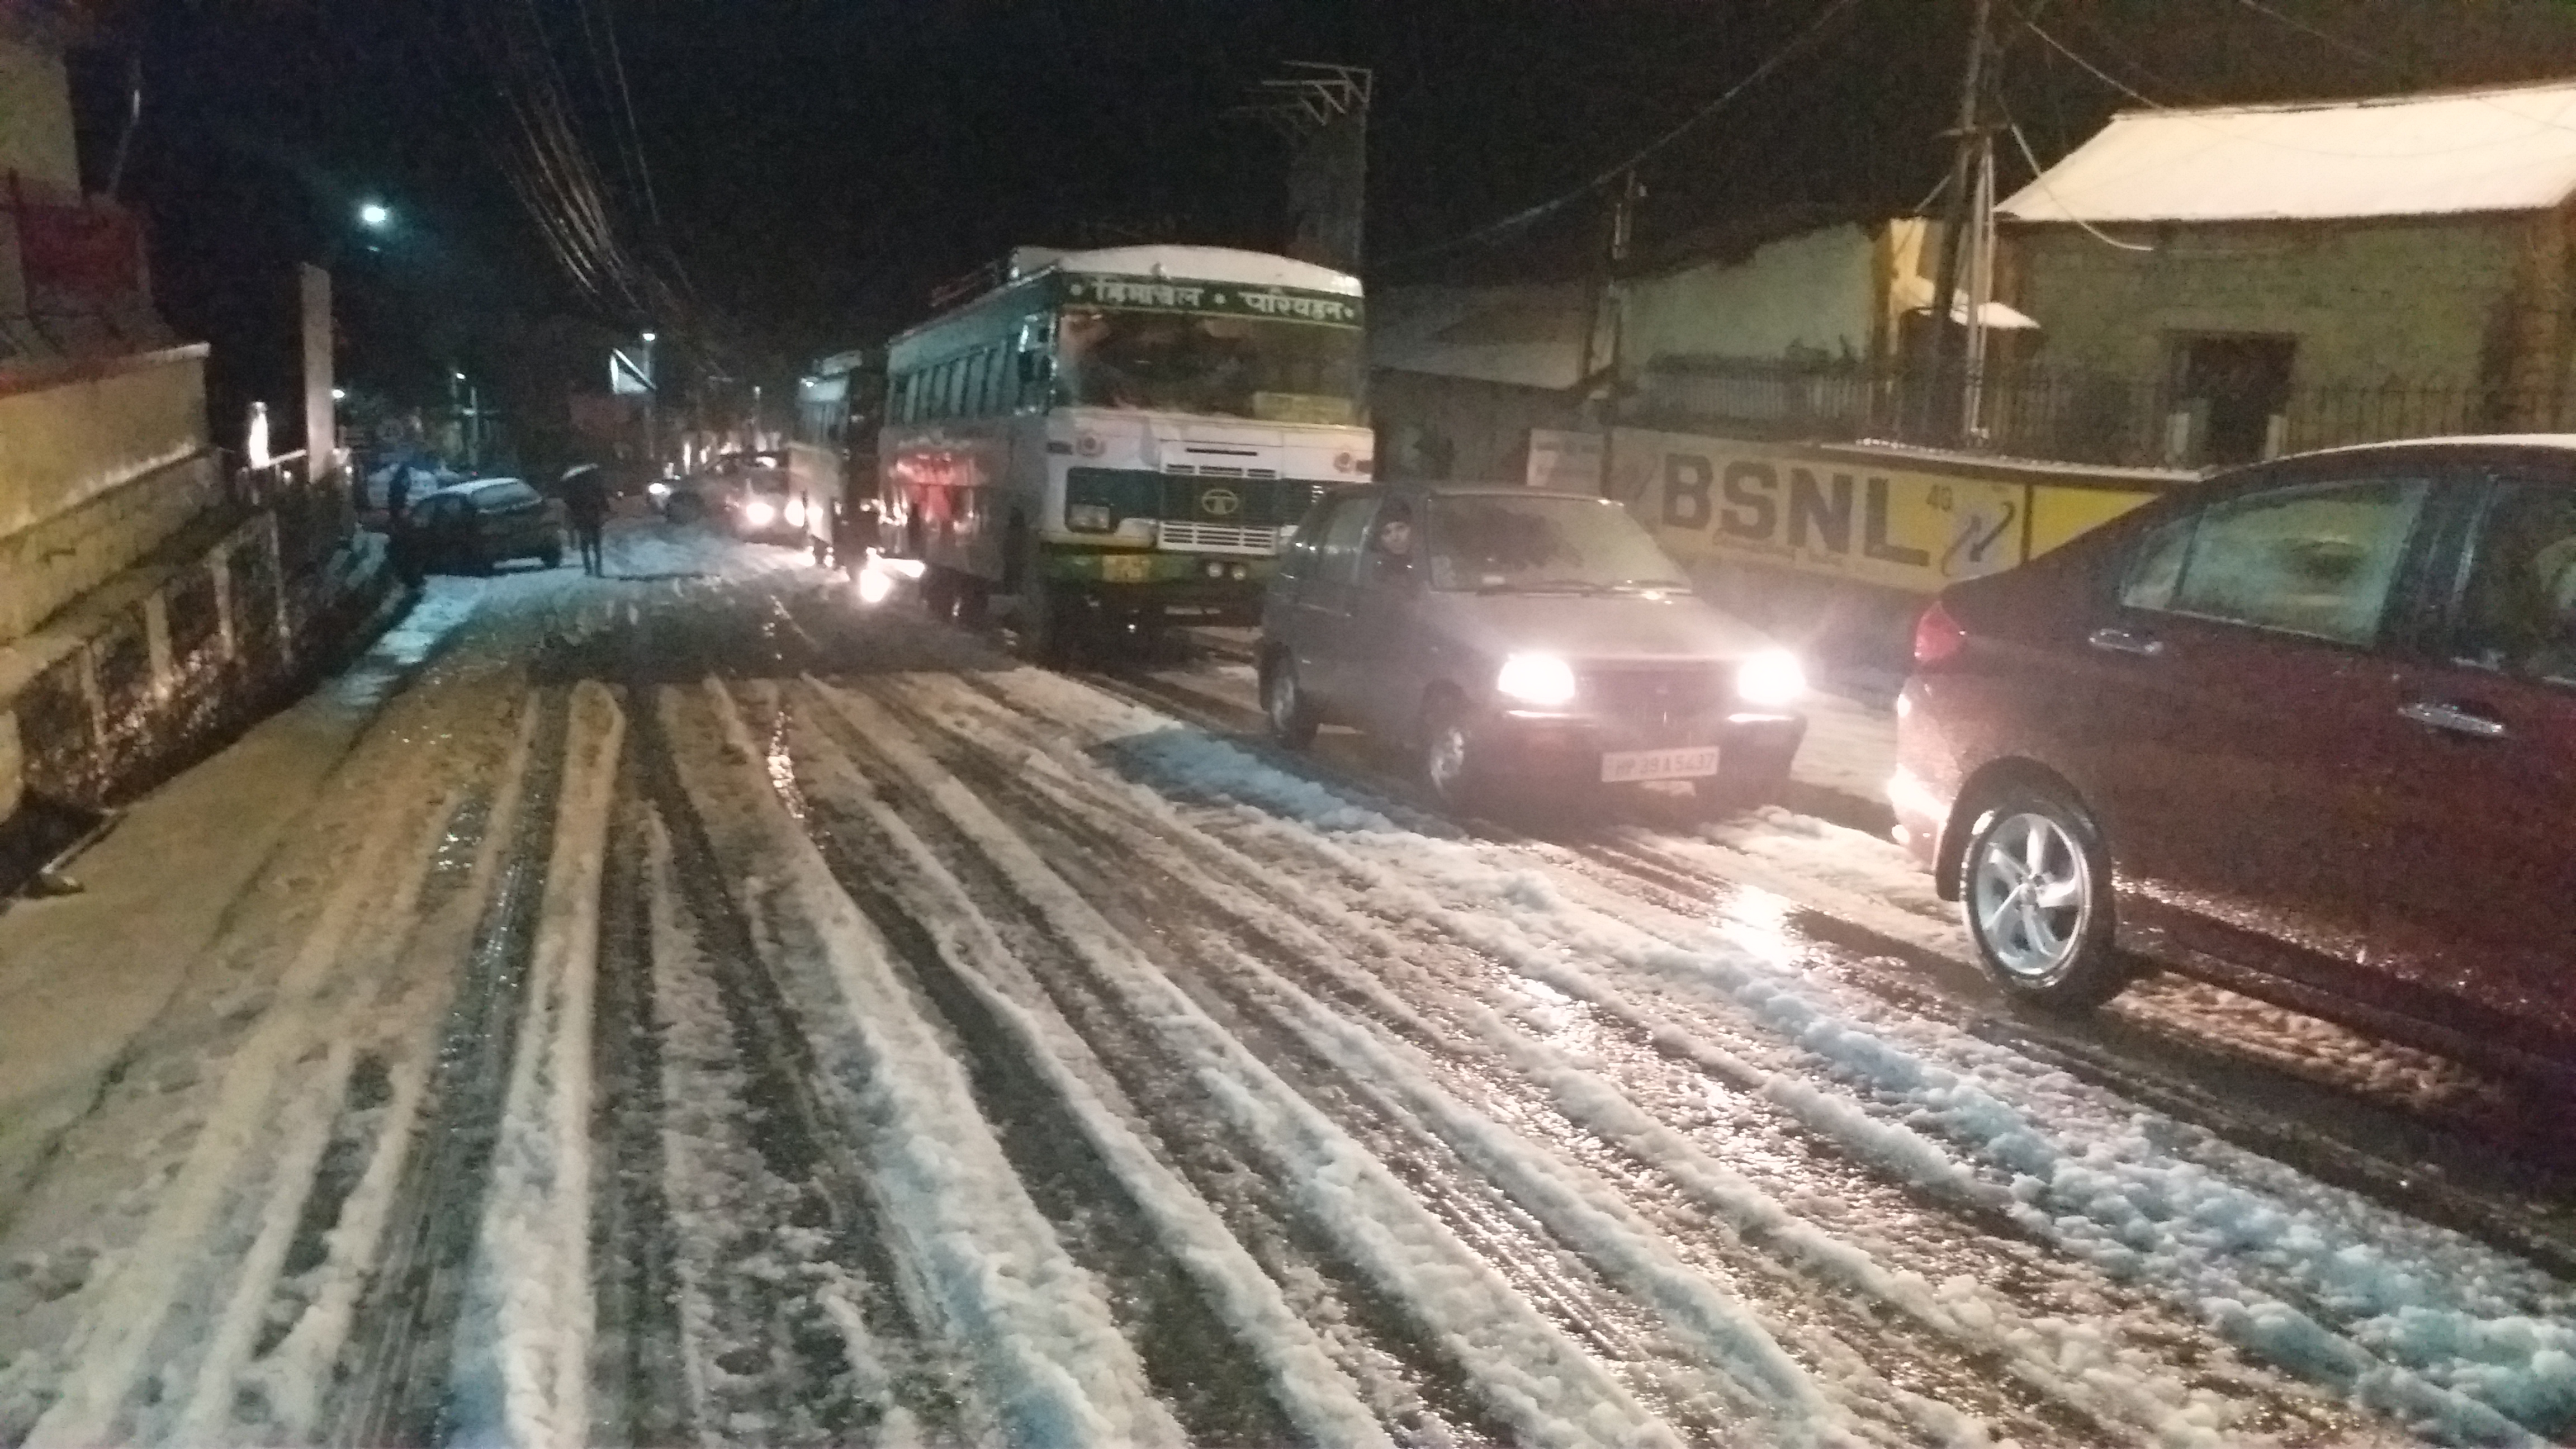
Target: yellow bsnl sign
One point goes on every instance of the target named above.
(1823, 511)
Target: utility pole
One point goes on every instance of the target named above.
(1942, 390)
(1606, 293)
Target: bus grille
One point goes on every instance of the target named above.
(1211, 470)
(1218, 538)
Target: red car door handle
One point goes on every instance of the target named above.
(2127, 641)
(2451, 719)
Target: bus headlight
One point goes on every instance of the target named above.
(759, 513)
(1540, 679)
(1772, 679)
(1088, 518)
(795, 513)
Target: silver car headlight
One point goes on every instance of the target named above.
(1540, 679)
(1772, 679)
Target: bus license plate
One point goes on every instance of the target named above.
(1127, 568)
(1626, 767)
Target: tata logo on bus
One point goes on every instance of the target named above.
(1220, 503)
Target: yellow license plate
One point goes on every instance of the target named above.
(1127, 568)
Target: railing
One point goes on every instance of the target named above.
(2077, 415)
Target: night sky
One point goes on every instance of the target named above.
(817, 165)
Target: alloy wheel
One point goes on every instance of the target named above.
(2031, 892)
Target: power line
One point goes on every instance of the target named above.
(2039, 178)
(2337, 41)
(1520, 220)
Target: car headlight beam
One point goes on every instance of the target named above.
(1772, 679)
(1540, 679)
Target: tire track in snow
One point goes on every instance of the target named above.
(638, 1376)
(985, 1260)
(1257, 924)
(1399, 892)
(219, 1219)
(2137, 1067)
(403, 1331)
(346, 1216)
(2401, 1152)
(523, 1356)
(764, 1135)
(2112, 1197)
(1213, 1381)
(1202, 1192)
(1408, 1234)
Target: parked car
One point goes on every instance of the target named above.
(476, 526)
(2307, 729)
(1505, 635)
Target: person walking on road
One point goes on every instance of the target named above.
(585, 496)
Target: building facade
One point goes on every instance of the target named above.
(2243, 281)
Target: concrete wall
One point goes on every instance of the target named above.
(1817, 292)
(36, 116)
(209, 633)
(100, 463)
(47, 566)
(2416, 301)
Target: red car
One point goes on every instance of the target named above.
(2307, 729)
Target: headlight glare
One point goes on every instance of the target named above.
(795, 513)
(1539, 679)
(758, 513)
(1771, 679)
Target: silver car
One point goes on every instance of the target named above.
(1510, 636)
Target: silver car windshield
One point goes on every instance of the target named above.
(1499, 543)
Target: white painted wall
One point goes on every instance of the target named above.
(1819, 290)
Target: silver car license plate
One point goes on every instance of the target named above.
(1627, 767)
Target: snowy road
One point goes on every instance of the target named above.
(695, 1010)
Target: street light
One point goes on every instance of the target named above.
(375, 215)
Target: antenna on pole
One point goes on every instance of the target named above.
(1320, 108)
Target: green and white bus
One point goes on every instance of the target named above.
(1120, 436)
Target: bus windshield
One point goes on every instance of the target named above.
(1272, 370)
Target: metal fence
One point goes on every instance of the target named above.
(2074, 415)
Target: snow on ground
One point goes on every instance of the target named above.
(653, 1015)
(2411, 1320)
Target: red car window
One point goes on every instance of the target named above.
(2518, 616)
(2318, 560)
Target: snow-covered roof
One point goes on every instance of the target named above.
(1209, 264)
(2470, 151)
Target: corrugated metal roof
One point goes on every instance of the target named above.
(2470, 151)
